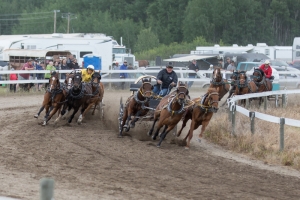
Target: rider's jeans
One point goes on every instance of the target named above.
(159, 92)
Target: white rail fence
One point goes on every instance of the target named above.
(233, 108)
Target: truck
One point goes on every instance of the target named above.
(121, 53)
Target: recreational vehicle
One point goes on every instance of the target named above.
(78, 44)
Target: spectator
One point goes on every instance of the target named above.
(231, 68)
(40, 76)
(227, 63)
(27, 66)
(56, 65)
(13, 77)
(64, 66)
(220, 63)
(48, 74)
(193, 66)
(75, 64)
(123, 75)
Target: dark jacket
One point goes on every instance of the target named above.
(193, 67)
(167, 78)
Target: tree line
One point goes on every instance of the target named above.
(145, 25)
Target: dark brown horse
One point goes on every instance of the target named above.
(221, 85)
(78, 97)
(169, 112)
(263, 84)
(96, 97)
(135, 104)
(200, 113)
(244, 86)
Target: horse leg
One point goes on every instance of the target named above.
(152, 128)
(164, 134)
(157, 131)
(73, 114)
(84, 111)
(194, 125)
(53, 111)
(183, 125)
(123, 122)
(38, 114)
(132, 124)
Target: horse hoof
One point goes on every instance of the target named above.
(36, 116)
(158, 146)
(120, 136)
(132, 125)
(149, 133)
(187, 148)
(44, 123)
(153, 138)
(127, 129)
(199, 140)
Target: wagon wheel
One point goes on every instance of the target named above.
(121, 114)
(101, 109)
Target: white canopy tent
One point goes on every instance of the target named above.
(188, 58)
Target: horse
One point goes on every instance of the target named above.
(143, 63)
(169, 112)
(53, 98)
(244, 86)
(217, 82)
(261, 82)
(97, 95)
(200, 114)
(135, 104)
(78, 96)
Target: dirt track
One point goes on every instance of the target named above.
(88, 161)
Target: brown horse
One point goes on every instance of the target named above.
(244, 86)
(200, 113)
(221, 85)
(53, 97)
(135, 104)
(261, 82)
(169, 112)
(96, 97)
(143, 63)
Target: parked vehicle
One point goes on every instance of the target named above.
(295, 64)
(289, 81)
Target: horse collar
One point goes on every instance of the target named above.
(136, 98)
(214, 82)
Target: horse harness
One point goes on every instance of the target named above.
(262, 82)
(207, 108)
(218, 83)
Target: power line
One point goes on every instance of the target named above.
(24, 14)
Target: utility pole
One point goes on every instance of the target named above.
(55, 11)
(69, 17)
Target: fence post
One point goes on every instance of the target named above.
(265, 102)
(283, 100)
(229, 112)
(46, 189)
(233, 120)
(282, 122)
(252, 117)
(247, 103)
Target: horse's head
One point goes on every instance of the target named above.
(69, 80)
(77, 80)
(182, 91)
(96, 79)
(146, 88)
(217, 76)
(54, 81)
(212, 99)
(258, 75)
(234, 77)
(242, 77)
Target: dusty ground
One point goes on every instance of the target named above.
(88, 161)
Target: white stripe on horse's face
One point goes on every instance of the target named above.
(215, 73)
(53, 78)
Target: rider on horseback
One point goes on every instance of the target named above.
(267, 70)
(165, 78)
(87, 73)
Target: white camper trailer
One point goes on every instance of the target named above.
(78, 44)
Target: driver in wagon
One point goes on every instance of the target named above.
(87, 73)
(267, 70)
(165, 78)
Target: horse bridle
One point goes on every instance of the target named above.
(246, 83)
(57, 85)
(214, 79)
(142, 92)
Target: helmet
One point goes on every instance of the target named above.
(267, 62)
(90, 67)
